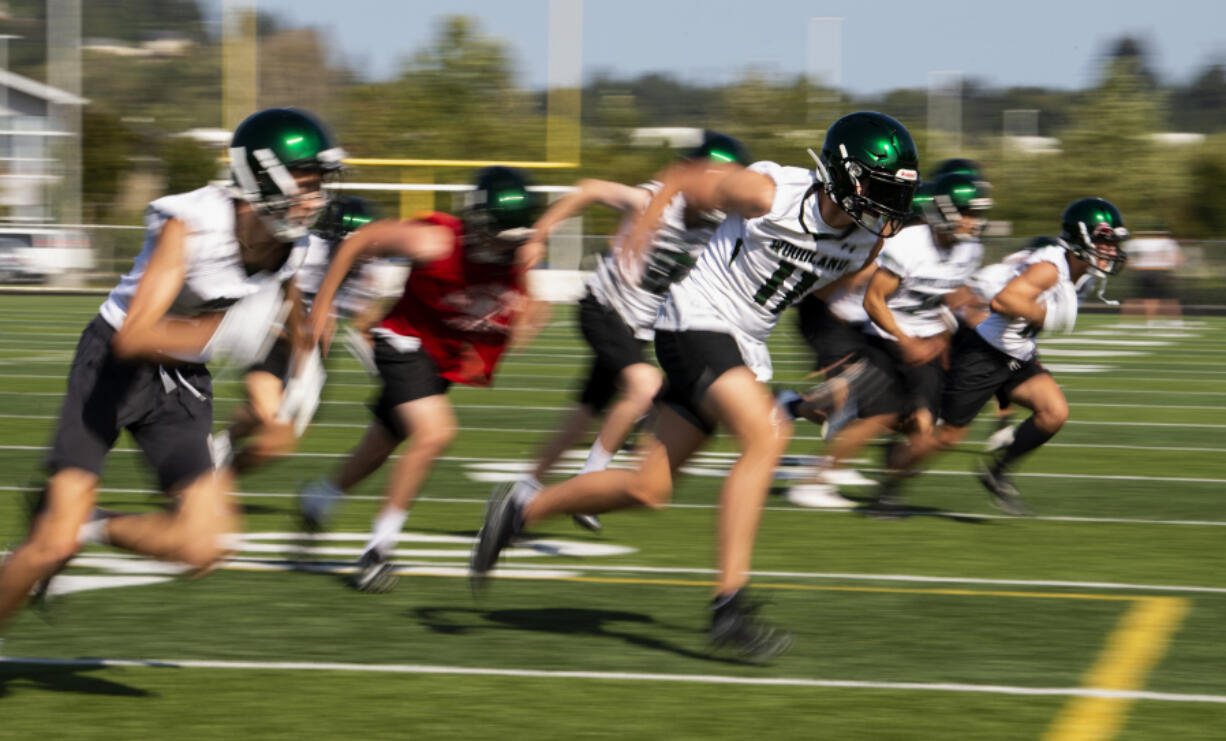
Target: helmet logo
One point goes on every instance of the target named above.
(908, 175)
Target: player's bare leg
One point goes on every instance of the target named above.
(195, 531)
(574, 426)
(71, 495)
(747, 409)
(674, 441)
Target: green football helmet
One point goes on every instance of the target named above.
(1093, 230)
(920, 203)
(501, 209)
(960, 165)
(267, 150)
(870, 167)
(342, 215)
(719, 147)
(956, 197)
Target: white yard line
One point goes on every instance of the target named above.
(444, 670)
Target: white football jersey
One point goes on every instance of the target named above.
(926, 272)
(635, 292)
(1014, 336)
(214, 278)
(848, 305)
(990, 279)
(754, 269)
(358, 291)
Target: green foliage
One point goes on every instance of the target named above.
(189, 164)
(107, 147)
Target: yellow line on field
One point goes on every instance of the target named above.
(1132, 651)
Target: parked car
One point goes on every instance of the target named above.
(36, 254)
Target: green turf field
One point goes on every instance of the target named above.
(1101, 618)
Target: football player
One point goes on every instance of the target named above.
(283, 389)
(788, 232)
(618, 312)
(463, 301)
(1001, 357)
(209, 281)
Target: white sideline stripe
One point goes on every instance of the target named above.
(938, 472)
(676, 505)
(312, 666)
(587, 568)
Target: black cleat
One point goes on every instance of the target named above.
(591, 523)
(888, 504)
(502, 521)
(375, 574)
(1004, 494)
(735, 625)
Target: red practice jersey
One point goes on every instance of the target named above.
(462, 311)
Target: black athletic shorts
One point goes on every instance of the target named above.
(169, 421)
(407, 376)
(691, 362)
(1156, 284)
(614, 346)
(277, 360)
(831, 338)
(976, 372)
(912, 387)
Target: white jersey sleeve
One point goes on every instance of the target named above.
(926, 273)
(214, 276)
(635, 292)
(1015, 336)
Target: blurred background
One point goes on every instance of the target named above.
(108, 104)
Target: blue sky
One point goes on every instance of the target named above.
(885, 44)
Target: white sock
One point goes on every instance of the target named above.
(385, 530)
(597, 458)
(93, 532)
(525, 490)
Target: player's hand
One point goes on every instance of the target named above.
(920, 350)
(530, 254)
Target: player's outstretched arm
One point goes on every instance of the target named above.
(706, 186)
(147, 332)
(420, 241)
(1020, 296)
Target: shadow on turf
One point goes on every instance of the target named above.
(558, 620)
(71, 679)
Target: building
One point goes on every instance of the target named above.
(33, 118)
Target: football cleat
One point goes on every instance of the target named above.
(375, 574)
(1004, 495)
(315, 504)
(888, 503)
(735, 625)
(591, 523)
(503, 520)
(817, 496)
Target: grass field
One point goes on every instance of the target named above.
(1101, 618)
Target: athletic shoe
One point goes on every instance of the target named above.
(315, 503)
(735, 625)
(375, 574)
(818, 496)
(503, 519)
(843, 477)
(787, 399)
(888, 504)
(591, 523)
(1004, 495)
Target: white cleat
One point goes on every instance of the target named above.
(818, 496)
(843, 477)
